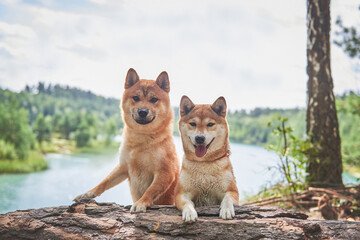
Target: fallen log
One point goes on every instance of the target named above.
(332, 192)
(268, 201)
(91, 220)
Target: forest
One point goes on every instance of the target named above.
(46, 118)
(53, 119)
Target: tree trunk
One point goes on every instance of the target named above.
(325, 165)
(93, 220)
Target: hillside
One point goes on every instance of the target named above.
(59, 100)
(72, 113)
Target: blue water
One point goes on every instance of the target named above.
(349, 179)
(71, 175)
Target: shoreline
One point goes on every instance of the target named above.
(36, 161)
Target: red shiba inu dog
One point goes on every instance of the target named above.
(147, 155)
(206, 176)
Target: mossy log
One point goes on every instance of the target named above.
(91, 220)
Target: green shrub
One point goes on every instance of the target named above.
(7, 151)
(35, 162)
(82, 135)
(293, 154)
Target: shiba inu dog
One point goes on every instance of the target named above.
(148, 156)
(206, 176)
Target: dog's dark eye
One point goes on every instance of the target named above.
(136, 98)
(210, 124)
(193, 124)
(154, 100)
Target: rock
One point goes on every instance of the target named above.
(91, 220)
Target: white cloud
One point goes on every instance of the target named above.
(16, 30)
(251, 52)
(16, 39)
(91, 52)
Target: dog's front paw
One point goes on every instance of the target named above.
(138, 207)
(227, 212)
(189, 214)
(85, 195)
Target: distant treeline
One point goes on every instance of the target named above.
(252, 127)
(39, 113)
(72, 113)
(61, 101)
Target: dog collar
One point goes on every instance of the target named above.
(225, 155)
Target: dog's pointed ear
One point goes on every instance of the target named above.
(186, 105)
(219, 106)
(131, 78)
(163, 81)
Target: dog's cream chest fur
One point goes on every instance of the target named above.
(141, 171)
(139, 182)
(207, 181)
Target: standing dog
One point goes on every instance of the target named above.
(147, 155)
(206, 176)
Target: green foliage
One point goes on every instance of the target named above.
(349, 103)
(348, 39)
(42, 128)
(251, 127)
(98, 147)
(58, 145)
(7, 151)
(272, 191)
(65, 109)
(55, 101)
(14, 128)
(349, 119)
(35, 162)
(52, 112)
(82, 135)
(65, 127)
(110, 130)
(293, 154)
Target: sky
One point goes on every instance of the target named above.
(251, 52)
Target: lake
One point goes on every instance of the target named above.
(71, 175)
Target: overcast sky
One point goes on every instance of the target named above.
(251, 52)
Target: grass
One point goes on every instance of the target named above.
(34, 163)
(282, 190)
(64, 146)
(58, 145)
(98, 147)
(274, 191)
(353, 170)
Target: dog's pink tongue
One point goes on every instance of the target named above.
(200, 150)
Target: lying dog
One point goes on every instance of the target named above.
(206, 176)
(147, 155)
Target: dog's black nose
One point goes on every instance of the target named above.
(143, 112)
(200, 139)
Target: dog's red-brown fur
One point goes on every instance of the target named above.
(147, 155)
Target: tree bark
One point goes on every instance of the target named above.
(93, 220)
(325, 165)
